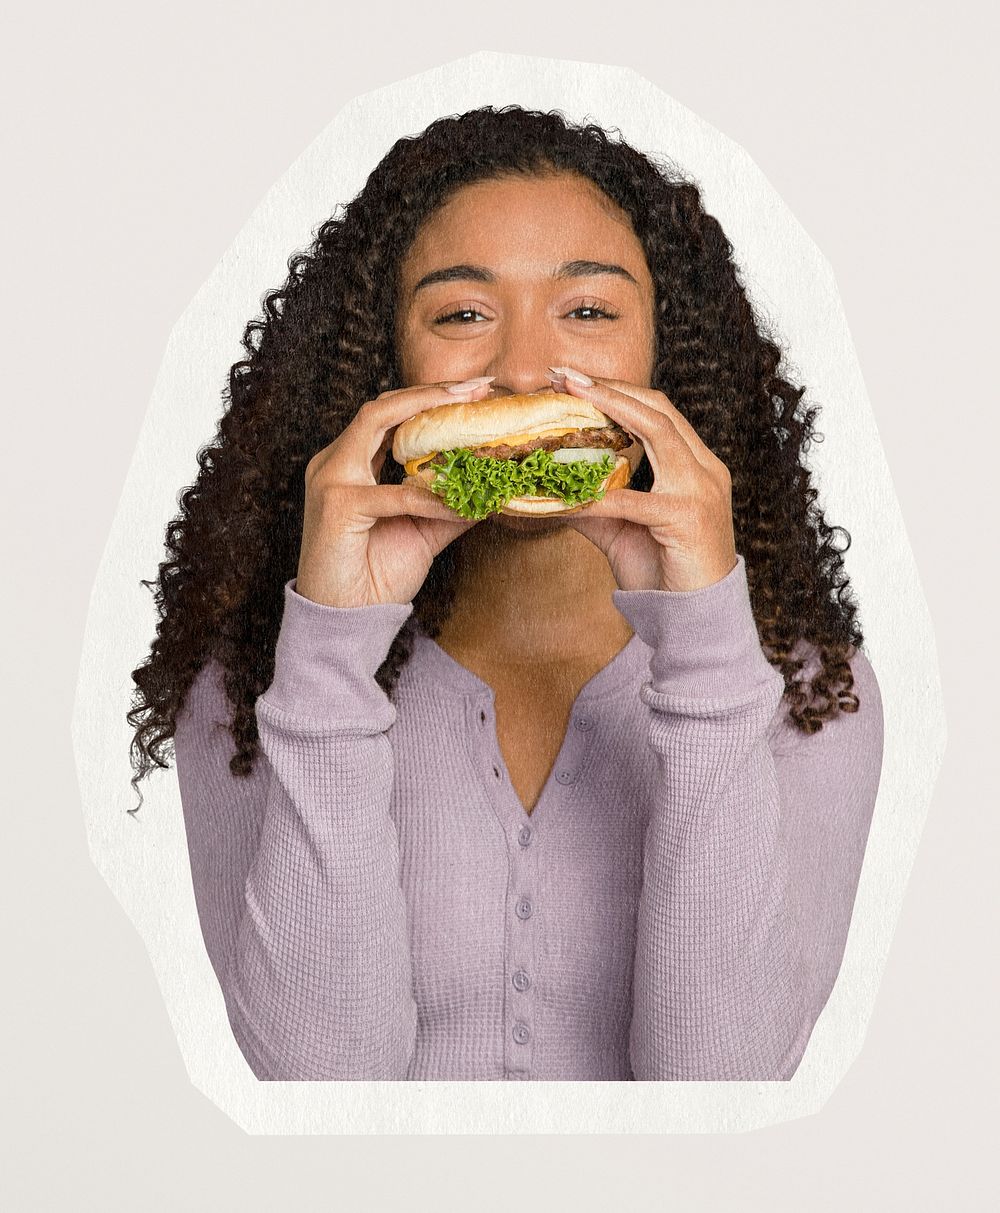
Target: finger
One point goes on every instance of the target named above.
(628, 505)
(360, 450)
(673, 450)
(669, 455)
(600, 531)
(395, 500)
(437, 534)
(659, 400)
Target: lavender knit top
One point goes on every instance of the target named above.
(377, 904)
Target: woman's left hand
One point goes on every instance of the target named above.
(679, 535)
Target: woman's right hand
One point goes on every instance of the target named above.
(363, 542)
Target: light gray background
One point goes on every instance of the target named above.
(145, 861)
(139, 142)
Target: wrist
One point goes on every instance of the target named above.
(704, 641)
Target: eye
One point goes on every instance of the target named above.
(454, 316)
(597, 312)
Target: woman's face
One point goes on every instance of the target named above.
(511, 276)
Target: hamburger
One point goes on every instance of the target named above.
(542, 453)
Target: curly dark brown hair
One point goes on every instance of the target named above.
(324, 346)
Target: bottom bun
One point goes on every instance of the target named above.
(617, 478)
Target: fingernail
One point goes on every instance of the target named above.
(574, 376)
(470, 385)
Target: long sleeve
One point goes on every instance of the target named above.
(296, 867)
(753, 849)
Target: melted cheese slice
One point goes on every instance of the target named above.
(513, 440)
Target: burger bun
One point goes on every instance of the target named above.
(478, 424)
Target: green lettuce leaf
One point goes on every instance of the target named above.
(476, 487)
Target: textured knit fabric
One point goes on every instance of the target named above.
(377, 904)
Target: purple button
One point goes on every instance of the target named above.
(521, 1033)
(521, 980)
(524, 836)
(523, 908)
(567, 775)
(584, 722)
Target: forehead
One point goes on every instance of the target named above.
(537, 220)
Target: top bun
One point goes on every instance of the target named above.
(477, 423)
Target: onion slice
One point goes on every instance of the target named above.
(588, 454)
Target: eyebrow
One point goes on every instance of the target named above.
(479, 273)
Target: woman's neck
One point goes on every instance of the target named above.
(539, 595)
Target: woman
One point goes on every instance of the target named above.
(581, 798)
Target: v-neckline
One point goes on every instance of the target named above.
(624, 668)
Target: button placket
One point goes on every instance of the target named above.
(526, 914)
(520, 1026)
(483, 724)
(569, 762)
